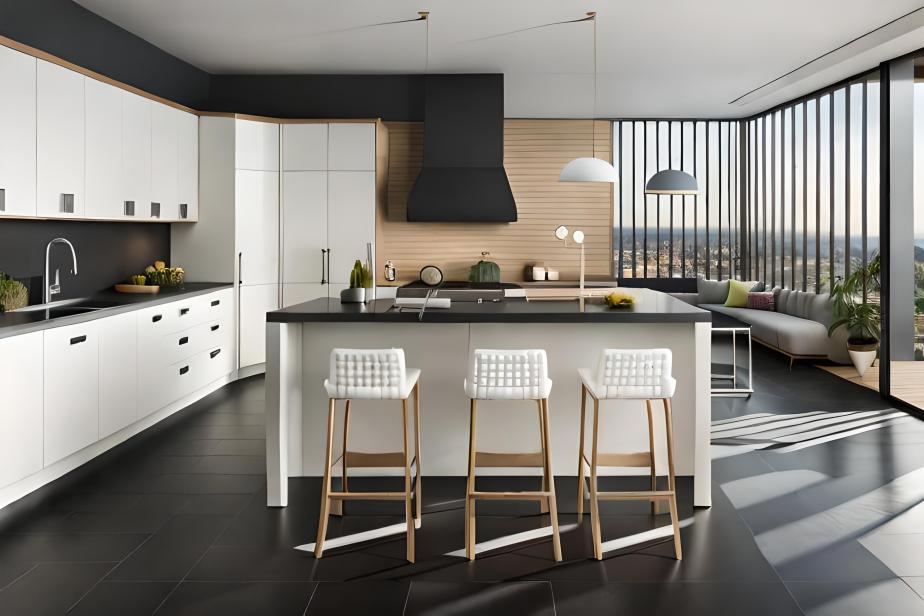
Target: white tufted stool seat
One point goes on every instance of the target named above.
(371, 374)
(628, 374)
(510, 375)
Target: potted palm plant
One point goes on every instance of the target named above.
(860, 317)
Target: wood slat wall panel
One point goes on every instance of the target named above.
(534, 153)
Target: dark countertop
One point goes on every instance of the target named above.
(24, 321)
(651, 307)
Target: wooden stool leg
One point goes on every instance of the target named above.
(547, 458)
(580, 503)
(544, 444)
(470, 486)
(408, 507)
(325, 486)
(338, 505)
(669, 428)
(418, 494)
(594, 504)
(651, 457)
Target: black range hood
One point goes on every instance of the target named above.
(463, 177)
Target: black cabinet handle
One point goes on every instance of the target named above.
(184, 340)
(78, 339)
(184, 370)
(240, 268)
(323, 266)
(214, 328)
(184, 311)
(215, 302)
(156, 318)
(328, 265)
(214, 353)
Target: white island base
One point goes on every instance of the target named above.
(298, 362)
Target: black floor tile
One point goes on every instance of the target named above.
(217, 418)
(231, 465)
(199, 484)
(110, 597)
(366, 597)
(238, 599)
(436, 598)
(171, 552)
(687, 598)
(239, 447)
(226, 432)
(68, 547)
(148, 513)
(50, 588)
(890, 597)
(215, 504)
(241, 563)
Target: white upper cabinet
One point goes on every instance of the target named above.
(103, 150)
(257, 226)
(17, 133)
(351, 147)
(256, 145)
(304, 225)
(136, 156)
(304, 147)
(350, 220)
(188, 180)
(60, 142)
(164, 163)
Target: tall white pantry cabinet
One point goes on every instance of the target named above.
(285, 208)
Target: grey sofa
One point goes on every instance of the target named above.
(798, 327)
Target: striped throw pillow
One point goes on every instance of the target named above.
(762, 300)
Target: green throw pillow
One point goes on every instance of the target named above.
(738, 294)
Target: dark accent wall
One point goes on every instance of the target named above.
(71, 32)
(396, 98)
(107, 252)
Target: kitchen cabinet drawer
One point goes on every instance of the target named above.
(21, 410)
(71, 389)
(118, 372)
(17, 134)
(157, 321)
(188, 342)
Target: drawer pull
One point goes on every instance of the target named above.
(78, 339)
(214, 328)
(184, 370)
(215, 302)
(184, 340)
(156, 318)
(184, 311)
(214, 353)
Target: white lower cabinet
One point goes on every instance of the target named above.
(21, 410)
(71, 405)
(118, 373)
(256, 301)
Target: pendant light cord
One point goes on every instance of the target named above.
(592, 16)
(425, 17)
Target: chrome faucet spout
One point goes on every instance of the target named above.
(53, 288)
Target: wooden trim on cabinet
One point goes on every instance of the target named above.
(43, 55)
(271, 120)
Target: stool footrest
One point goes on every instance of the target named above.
(622, 460)
(368, 495)
(359, 459)
(646, 495)
(511, 495)
(486, 459)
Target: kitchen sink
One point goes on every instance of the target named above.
(67, 311)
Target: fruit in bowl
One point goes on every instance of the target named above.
(161, 275)
(619, 300)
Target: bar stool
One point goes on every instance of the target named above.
(371, 374)
(510, 375)
(628, 374)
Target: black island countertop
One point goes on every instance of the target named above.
(29, 320)
(651, 307)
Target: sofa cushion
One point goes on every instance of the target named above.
(712, 291)
(761, 300)
(762, 328)
(784, 331)
(738, 294)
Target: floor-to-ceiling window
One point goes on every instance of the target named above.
(676, 236)
(812, 213)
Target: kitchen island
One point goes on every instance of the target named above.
(299, 340)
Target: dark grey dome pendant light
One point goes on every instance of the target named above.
(671, 182)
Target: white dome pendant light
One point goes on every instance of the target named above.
(589, 168)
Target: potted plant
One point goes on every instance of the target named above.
(360, 280)
(860, 317)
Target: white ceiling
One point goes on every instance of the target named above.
(656, 58)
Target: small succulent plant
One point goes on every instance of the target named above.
(13, 294)
(360, 276)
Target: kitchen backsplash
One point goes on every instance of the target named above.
(107, 252)
(534, 153)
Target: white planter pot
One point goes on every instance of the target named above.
(862, 360)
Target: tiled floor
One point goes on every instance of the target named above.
(175, 522)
